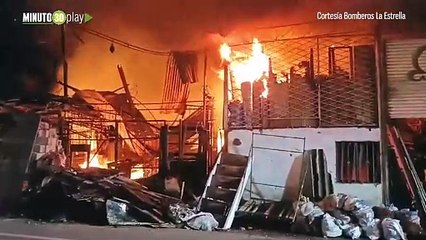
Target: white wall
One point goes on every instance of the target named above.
(274, 167)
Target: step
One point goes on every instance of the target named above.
(213, 207)
(230, 171)
(271, 210)
(234, 159)
(221, 194)
(225, 181)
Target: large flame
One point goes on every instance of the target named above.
(225, 52)
(137, 172)
(95, 159)
(99, 161)
(251, 68)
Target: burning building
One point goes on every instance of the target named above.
(305, 112)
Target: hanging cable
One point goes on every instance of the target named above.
(124, 44)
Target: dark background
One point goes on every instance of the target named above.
(30, 55)
(27, 66)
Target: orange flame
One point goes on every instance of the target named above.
(99, 161)
(220, 139)
(251, 68)
(225, 52)
(96, 160)
(137, 174)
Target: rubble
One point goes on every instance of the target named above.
(341, 215)
(102, 197)
(94, 196)
(186, 216)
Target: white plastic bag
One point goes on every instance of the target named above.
(352, 232)
(364, 214)
(341, 199)
(329, 227)
(307, 208)
(350, 203)
(343, 218)
(409, 216)
(392, 230)
(311, 211)
(392, 208)
(202, 221)
(372, 230)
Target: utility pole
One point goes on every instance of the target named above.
(205, 92)
(225, 105)
(64, 63)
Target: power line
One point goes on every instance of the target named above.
(125, 44)
(290, 25)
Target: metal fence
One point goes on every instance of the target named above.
(313, 82)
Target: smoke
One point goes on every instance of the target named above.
(27, 64)
(32, 54)
(189, 24)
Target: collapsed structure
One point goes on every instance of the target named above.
(303, 116)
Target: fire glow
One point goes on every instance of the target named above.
(251, 68)
(99, 161)
(95, 159)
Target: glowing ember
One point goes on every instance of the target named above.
(220, 139)
(137, 173)
(95, 159)
(225, 52)
(254, 67)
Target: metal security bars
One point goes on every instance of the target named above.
(358, 162)
(312, 82)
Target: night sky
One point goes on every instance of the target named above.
(27, 66)
(30, 55)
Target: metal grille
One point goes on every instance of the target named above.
(313, 82)
(358, 162)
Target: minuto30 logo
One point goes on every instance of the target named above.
(57, 17)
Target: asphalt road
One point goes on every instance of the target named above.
(18, 229)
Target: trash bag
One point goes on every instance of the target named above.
(352, 231)
(350, 203)
(408, 215)
(179, 211)
(306, 208)
(343, 218)
(372, 230)
(117, 213)
(364, 214)
(410, 221)
(310, 211)
(392, 230)
(345, 202)
(183, 214)
(202, 221)
(382, 212)
(329, 203)
(392, 208)
(329, 226)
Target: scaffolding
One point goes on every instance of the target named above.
(103, 132)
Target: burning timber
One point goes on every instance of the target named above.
(93, 196)
(72, 175)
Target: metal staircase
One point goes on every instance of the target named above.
(225, 186)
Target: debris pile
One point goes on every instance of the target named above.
(341, 215)
(184, 215)
(94, 196)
